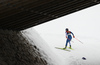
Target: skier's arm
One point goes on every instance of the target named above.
(73, 35)
(66, 35)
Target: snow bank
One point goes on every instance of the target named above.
(45, 50)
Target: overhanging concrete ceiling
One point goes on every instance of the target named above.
(22, 14)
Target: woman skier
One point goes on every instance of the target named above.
(69, 37)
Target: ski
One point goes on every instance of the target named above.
(70, 48)
(62, 49)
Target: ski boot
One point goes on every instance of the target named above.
(65, 47)
(70, 47)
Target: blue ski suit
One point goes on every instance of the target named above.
(69, 37)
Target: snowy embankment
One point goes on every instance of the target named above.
(47, 43)
(45, 50)
(89, 49)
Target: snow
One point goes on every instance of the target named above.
(85, 26)
(35, 39)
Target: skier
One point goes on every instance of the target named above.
(69, 37)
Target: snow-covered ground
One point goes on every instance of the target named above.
(84, 24)
(35, 39)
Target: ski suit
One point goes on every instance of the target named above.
(69, 37)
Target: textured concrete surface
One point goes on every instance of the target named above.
(16, 50)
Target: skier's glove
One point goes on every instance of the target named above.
(66, 37)
(73, 36)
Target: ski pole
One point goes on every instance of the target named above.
(79, 40)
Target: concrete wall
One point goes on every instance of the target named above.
(16, 50)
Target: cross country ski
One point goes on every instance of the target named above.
(62, 49)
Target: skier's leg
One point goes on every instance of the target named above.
(66, 43)
(70, 45)
(70, 37)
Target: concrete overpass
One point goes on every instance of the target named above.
(22, 14)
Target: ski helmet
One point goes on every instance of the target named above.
(66, 29)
